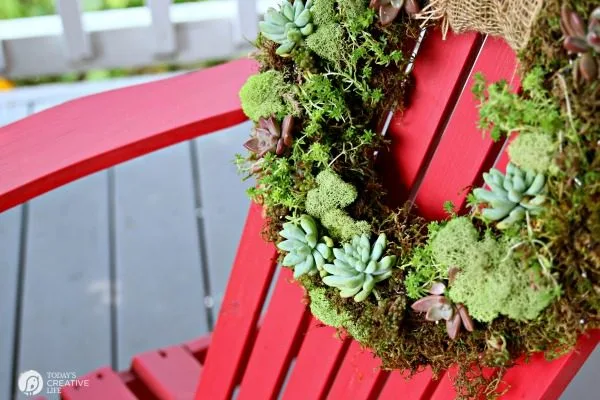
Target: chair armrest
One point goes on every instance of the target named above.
(75, 139)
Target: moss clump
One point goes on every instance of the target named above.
(490, 283)
(328, 42)
(263, 96)
(332, 192)
(351, 10)
(326, 202)
(323, 12)
(534, 151)
(324, 309)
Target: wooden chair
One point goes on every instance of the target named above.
(436, 152)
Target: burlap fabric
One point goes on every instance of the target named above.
(510, 19)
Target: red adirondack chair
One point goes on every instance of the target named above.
(250, 353)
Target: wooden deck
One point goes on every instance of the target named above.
(126, 260)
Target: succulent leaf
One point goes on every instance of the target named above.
(288, 26)
(306, 253)
(511, 195)
(358, 266)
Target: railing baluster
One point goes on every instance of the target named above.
(2, 57)
(76, 39)
(162, 27)
(246, 27)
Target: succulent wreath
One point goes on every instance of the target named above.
(518, 274)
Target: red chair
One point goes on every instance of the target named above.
(249, 354)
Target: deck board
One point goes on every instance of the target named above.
(10, 240)
(224, 203)
(158, 263)
(66, 304)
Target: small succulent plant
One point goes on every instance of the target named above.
(358, 266)
(388, 10)
(512, 195)
(583, 41)
(268, 136)
(438, 307)
(307, 252)
(288, 25)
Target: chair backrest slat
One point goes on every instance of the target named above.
(280, 335)
(419, 387)
(463, 153)
(316, 365)
(235, 331)
(439, 72)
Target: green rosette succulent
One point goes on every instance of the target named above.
(307, 252)
(288, 26)
(511, 195)
(358, 266)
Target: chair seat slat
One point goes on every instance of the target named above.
(103, 384)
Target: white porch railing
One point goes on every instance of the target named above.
(133, 37)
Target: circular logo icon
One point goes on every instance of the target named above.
(30, 383)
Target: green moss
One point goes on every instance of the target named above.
(327, 202)
(455, 243)
(263, 95)
(342, 226)
(351, 10)
(534, 151)
(489, 283)
(323, 12)
(325, 310)
(328, 42)
(332, 192)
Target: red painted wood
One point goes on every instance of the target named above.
(437, 74)
(546, 380)
(83, 136)
(418, 387)
(317, 363)
(278, 340)
(360, 376)
(104, 384)
(198, 347)
(464, 153)
(231, 340)
(170, 374)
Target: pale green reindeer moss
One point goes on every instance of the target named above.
(263, 96)
(328, 42)
(534, 151)
(323, 12)
(352, 10)
(325, 310)
(489, 283)
(327, 202)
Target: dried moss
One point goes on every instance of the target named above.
(263, 96)
(534, 151)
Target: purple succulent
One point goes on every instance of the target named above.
(438, 307)
(269, 137)
(582, 40)
(388, 10)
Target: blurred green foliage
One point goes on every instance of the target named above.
(33, 8)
